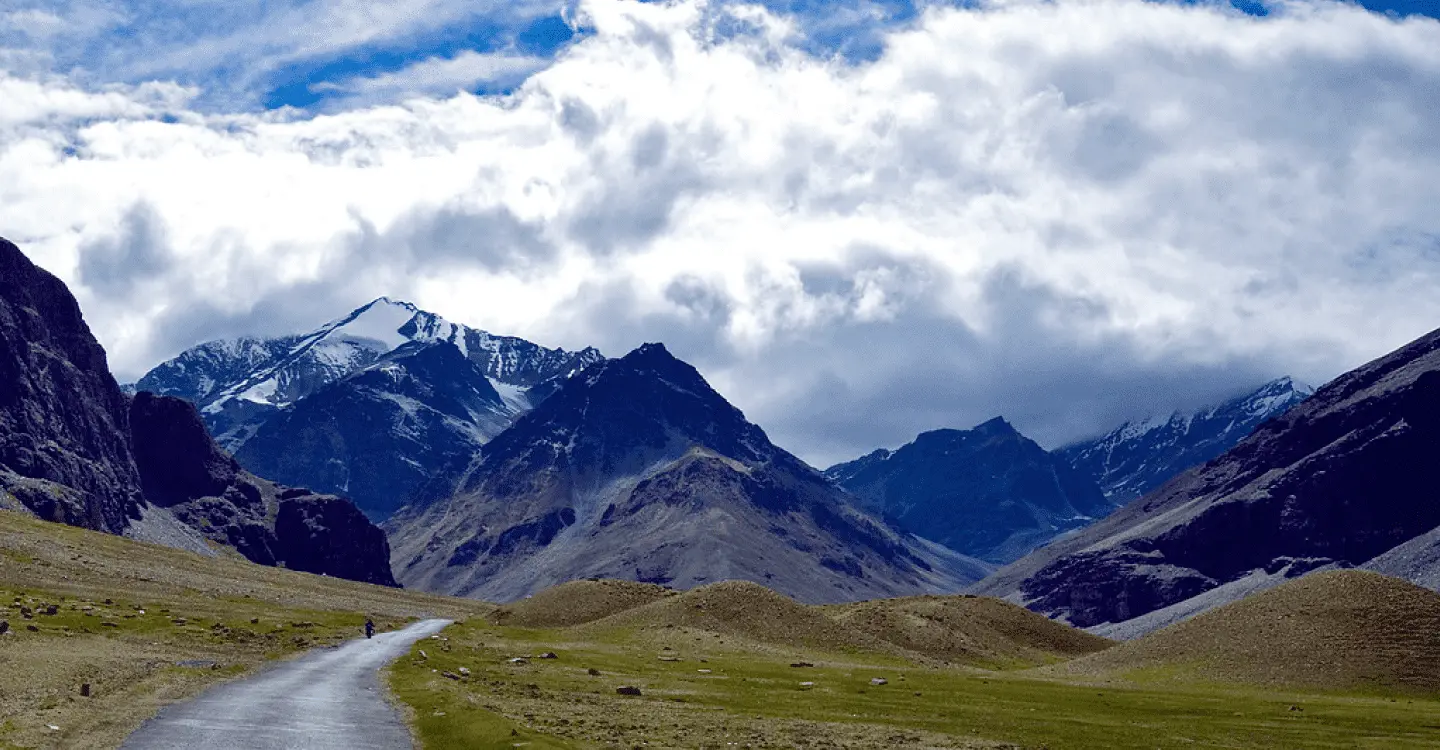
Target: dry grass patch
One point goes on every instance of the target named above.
(978, 631)
(1338, 630)
(578, 602)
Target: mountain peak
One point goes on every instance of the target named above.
(995, 426)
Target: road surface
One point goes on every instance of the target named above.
(329, 698)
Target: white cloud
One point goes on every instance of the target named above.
(1064, 212)
(435, 76)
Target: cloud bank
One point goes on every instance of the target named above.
(1067, 213)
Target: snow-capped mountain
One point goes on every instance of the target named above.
(1140, 456)
(369, 405)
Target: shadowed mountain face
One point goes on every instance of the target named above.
(637, 469)
(371, 405)
(63, 423)
(184, 472)
(1339, 479)
(74, 449)
(989, 492)
(1138, 457)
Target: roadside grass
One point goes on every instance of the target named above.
(144, 626)
(751, 696)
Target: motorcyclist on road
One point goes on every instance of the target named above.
(369, 628)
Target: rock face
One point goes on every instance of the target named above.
(370, 405)
(183, 471)
(1138, 457)
(1338, 480)
(75, 449)
(637, 469)
(988, 492)
(63, 423)
(377, 434)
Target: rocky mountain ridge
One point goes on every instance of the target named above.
(370, 405)
(637, 469)
(1139, 456)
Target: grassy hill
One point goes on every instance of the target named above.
(1337, 630)
(143, 625)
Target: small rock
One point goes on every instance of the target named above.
(85, 690)
(627, 690)
(32, 628)
(52, 610)
(450, 675)
(4, 627)
(465, 671)
(253, 620)
(879, 681)
(179, 621)
(548, 655)
(593, 672)
(670, 658)
(109, 624)
(704, 671)
(1296, 708)
(807, 685)
(424, 655)
(52, 727)
(516, 660)
(802, 664)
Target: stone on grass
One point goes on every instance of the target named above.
(879, 681)
(627, 690)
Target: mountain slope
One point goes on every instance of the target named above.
(1137, 457)
(74, 449)
(637, 469)
(1339, 479)
(1417, 561)
(370, 405)
(1332, 631)
(988, 492)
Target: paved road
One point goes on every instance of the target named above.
(330, 698)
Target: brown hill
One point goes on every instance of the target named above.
(578, 602)
(979, 631)
(746, 610)
(1334, 630)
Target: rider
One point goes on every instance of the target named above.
(369, 628)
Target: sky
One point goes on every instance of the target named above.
(859, 219)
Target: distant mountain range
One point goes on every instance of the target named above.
(370, 405)
(637, 469)
(1343, 479)
(1137, 457)
(989, 492)
(75, 449)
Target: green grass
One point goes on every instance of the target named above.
(758, 687)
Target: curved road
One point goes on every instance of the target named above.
(329, 698)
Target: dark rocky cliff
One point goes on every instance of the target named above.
(63, 423)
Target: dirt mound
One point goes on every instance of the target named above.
(980, 631)
(578, 602)
(747, 610)
(1339, 630)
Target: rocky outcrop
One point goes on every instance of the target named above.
(183, 471)
(636, 469)
(63, 422)
(1338, 480)
(988, 492)
(75, 449)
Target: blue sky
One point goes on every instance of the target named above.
(249, 55)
